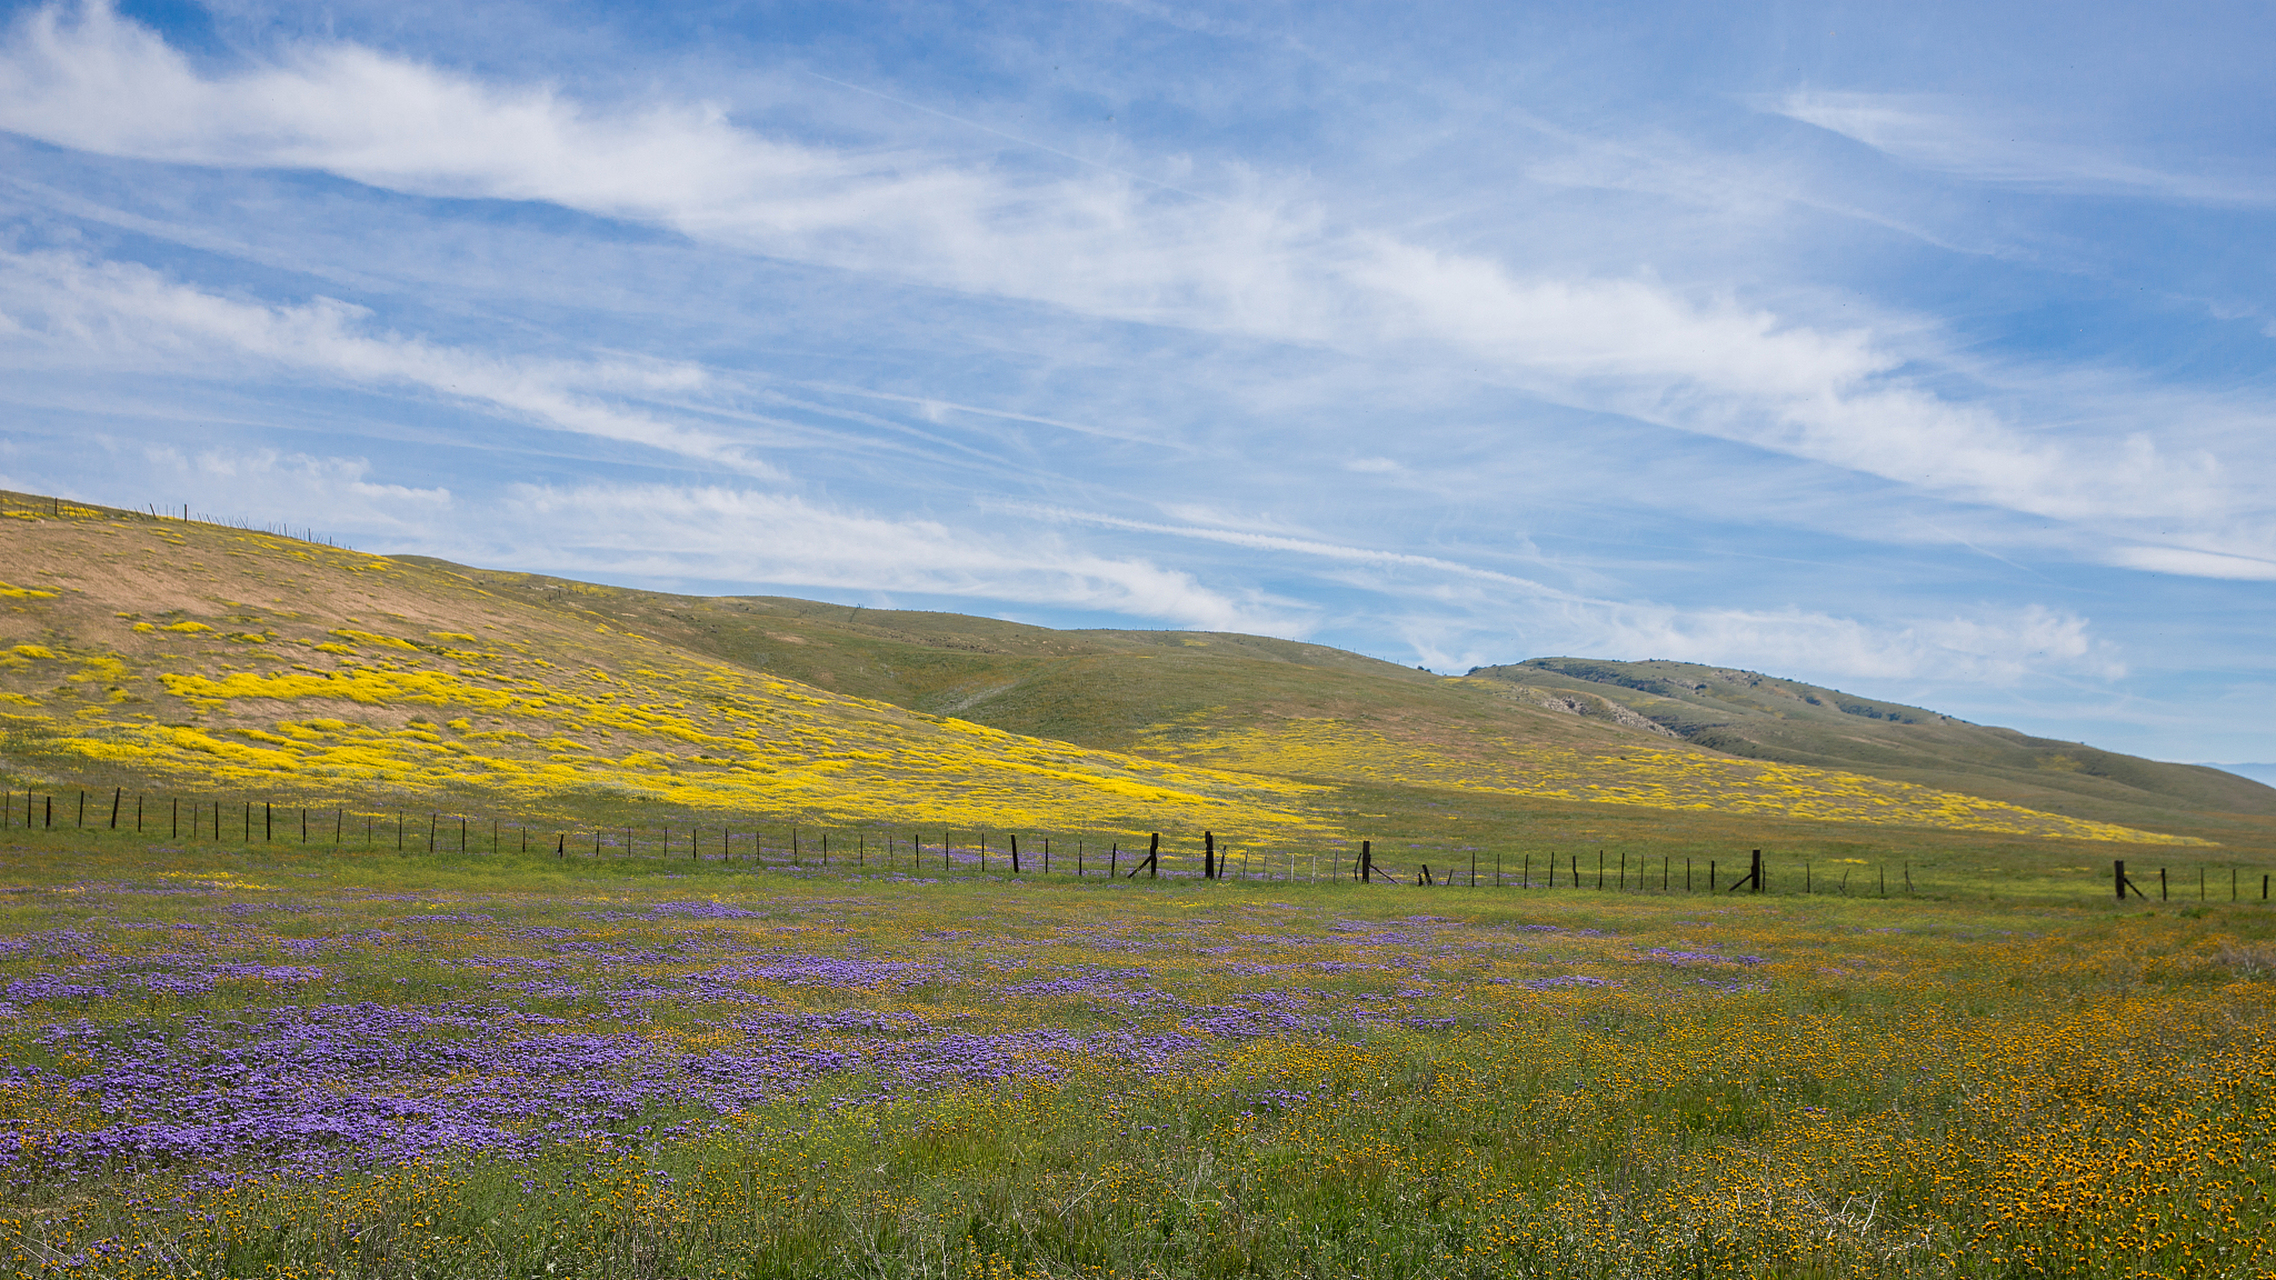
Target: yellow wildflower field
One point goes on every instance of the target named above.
(526, 733)
(1329, 750)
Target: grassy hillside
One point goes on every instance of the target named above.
(202, 655)
(195, 653)
(1761, 717)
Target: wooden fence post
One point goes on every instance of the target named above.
(1152, 866)
(116, 796)
(1015, 853)
(1752, 881)
(1209, 855)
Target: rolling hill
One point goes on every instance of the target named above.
(203, 655)
(1759, 717)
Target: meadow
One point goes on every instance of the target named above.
(275, 1059)
(381, 917)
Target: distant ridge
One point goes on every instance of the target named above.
(1762, 717)
(2264, 772)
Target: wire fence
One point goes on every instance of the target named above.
(758, 844)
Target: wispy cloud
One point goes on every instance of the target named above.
(1488, 615)
(2000, 646)
(330, 493)
(2197, 564)
(719, 534)
(1257, 264)
(70, 308)
(1940, 134)
(1310, 547)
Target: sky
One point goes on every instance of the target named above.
(1924, 351)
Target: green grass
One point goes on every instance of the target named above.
(1897, 1089)
(1450, 834)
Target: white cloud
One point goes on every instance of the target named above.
(61, 302)
(1256, 264)
(332, 495)
(738, 535)
(1305, 546)
(1996, 647)
(1483, 616)
(1742, 375)
(1937, 133)
(2196, 564)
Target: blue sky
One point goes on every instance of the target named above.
(1922, 353)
